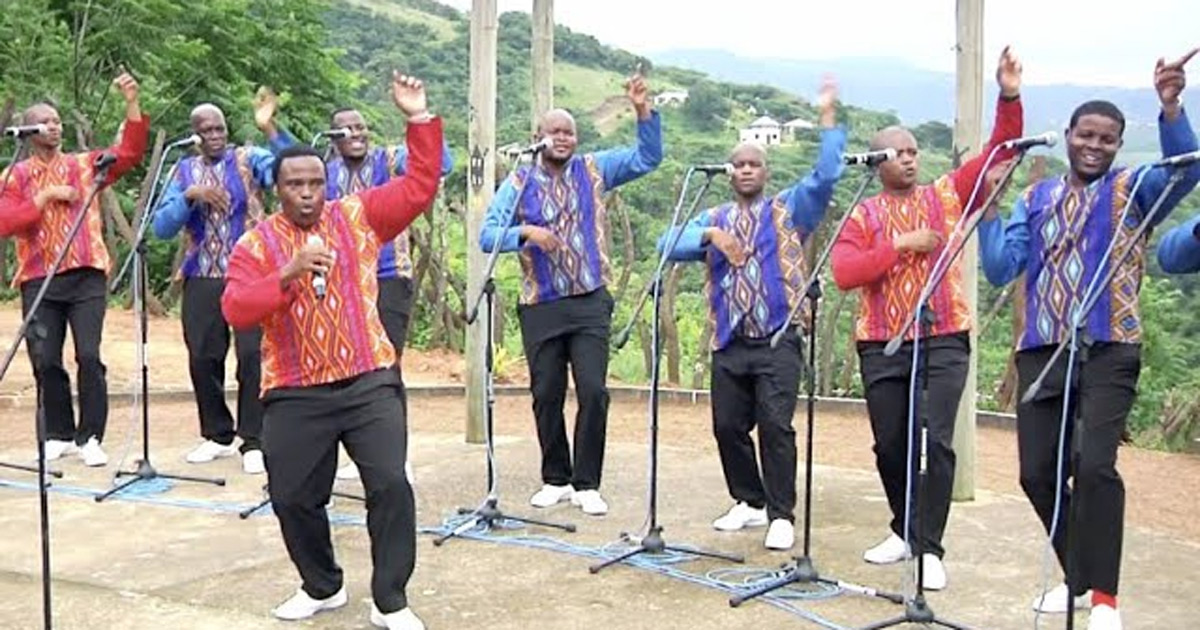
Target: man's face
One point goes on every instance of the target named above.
(900, 173)
(749, 171)
(1092, 145)
(301, 189)
(43, 114)
(356, 146)
(214, 137)
(560, 128)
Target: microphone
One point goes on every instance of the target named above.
(335, 134)
(1047, 139)
(870, 158)
(537, 147)
(25, 131)
(191, 140)
(104, 160)
(318, 279)
(1179, 160)
(714, 169)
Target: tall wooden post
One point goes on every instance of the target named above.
(543, 59)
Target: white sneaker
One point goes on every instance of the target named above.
(347, 472)
(56, 449)
(252, 462)
(403, 619)
(210, 450)
(781, 535)
(1104, 617)
(590, 502)
(935, 573)
(1054, 601)
(890, 551)
(301, 606)
(550, 495)
(408, 474)
(739, 516)
(92, 454)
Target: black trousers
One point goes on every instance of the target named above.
(395, 311)
(886, 380)
(755, 385)
(76, 298)
(206, 334)
(300, 441)
(572, 331)
(1105, 389)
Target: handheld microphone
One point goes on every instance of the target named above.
(870, 158)
(1047, 139)
(336, 134)
(190, 141)
(25, 131)
(714, 169)
(318, 279)
(1179, 160)
(104, 160)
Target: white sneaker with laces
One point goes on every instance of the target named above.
(935, 573)
(302, 606)
(1104, 617)
(781, 535)
(56, 449)
(403, 619)
(252, 462)
(739, 516)
(92, 454)
(347, 472)
(1054, 601)
(210, 450)
(890, 551)
(590, 502)
(550, 495)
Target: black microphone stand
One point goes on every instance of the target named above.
(802, 570)
(488, 512)
(917, 609)
(653, 541)
(34, 333)
(145, 471)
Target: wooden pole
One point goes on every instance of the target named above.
(543, 59)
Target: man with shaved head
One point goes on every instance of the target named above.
(44, 195)
(887, 250)
(753, 247)
(565, 308)
(217, 195)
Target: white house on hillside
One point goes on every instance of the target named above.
(764, 130)
(671, 97)
(793, 128)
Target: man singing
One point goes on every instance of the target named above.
(754, 250)
(565, 308)
(307, 276)
(45, 194)
(1179, 251)
(1057, 235)
(887, 249)
(217, 196)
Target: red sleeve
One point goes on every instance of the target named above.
(17, 212)
(1009, 125)
(390, 208)
(252, 292)
(858, 259)
(130, 149)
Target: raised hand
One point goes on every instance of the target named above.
(638, 93)
(827, 100)
(266, 103)
(1170, 79)
(128, 86)
(408, 93)
(1008, 73)
(728, 245)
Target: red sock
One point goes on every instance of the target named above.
(1101, 598)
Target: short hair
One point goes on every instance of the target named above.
(340, 110)
(294, 151)
(1098, 108)
(753, 145)
(42, 103)
(206, 107)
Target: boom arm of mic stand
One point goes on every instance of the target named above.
(1096, 289)
(814, 274)
(147, 213)
(676, 232)
(494, 255)
(942, 266)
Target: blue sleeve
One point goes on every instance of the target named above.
(626, 164)
(498, 220)
(1176, 137)
(1004, 245)
(808, 200)
(402, 159)
(690, 245)
(1179, 251)
(172, 211)
(262, 163)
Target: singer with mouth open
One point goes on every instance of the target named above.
(754, 250)
(329, 369)
(887, 250)
(217, 195)
(565, 308)
(1057, 234)
(44, 196)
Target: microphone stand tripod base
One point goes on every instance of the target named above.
(489, 515)
(654, 543)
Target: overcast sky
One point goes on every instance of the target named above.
(1060, 41)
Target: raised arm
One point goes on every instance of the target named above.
(1009, 125)
(135, 134)
(619, 166)
(809, 198)
(1179, 251)
(1175, 135)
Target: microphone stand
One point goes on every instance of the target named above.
(488, 512)
(136, 259)
(917, 609)
(34, 333)
(802, 570)
(653, 541)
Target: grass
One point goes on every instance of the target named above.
(443, 27)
